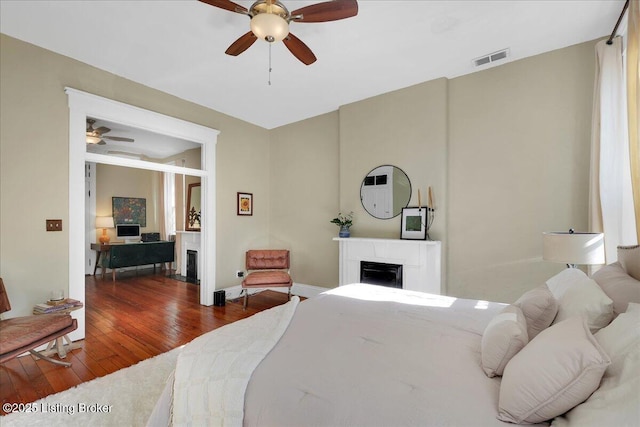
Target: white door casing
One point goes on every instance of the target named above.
(83, 105)
(90, 216)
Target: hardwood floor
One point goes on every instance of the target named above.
(137, 317)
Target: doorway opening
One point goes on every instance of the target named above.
(83, 105)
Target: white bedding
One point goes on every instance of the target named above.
(212, 372)
(363, 355)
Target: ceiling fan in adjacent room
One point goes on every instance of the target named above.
(97, 135)
(270, 21)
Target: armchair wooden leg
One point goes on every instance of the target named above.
(49, 359)
(289, 294)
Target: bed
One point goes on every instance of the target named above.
(365, 355)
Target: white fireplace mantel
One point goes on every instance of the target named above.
(420, 260)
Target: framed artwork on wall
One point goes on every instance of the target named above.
(130, 210)
(245, 204)
(414, 224)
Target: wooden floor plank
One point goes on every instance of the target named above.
(91, 364)
(38, 382)
(137, 317)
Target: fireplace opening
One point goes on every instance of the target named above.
(377, 273)
(192, 266)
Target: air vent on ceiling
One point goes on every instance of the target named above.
(492, 57)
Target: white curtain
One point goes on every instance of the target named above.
(611, 199)
(633, 102)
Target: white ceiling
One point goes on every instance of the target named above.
(146, 145)
(178, 46)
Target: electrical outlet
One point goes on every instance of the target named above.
(54, 225)
(239, 273)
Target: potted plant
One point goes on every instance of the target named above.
(344, 222)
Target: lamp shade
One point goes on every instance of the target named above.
(104, 222)
(573, 247)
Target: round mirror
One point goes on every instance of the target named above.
(385, 191)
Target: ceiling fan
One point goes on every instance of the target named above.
(96, 135)
(270, 21)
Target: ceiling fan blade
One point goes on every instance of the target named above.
(118, 138)
(242, 44)
(227, 5)
(326, 11)
(299, 49)
(102, 130)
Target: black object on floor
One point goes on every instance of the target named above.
(219, 298)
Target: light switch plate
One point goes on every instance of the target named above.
(54, 225)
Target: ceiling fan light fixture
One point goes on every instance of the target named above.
(270, 22)
(93, 139)
(269, 27)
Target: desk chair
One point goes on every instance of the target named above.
(266, 268)
(21, 334)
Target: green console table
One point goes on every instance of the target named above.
(134, 254)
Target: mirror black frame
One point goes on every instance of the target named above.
(371, 179)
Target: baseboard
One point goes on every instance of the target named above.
(299, 289)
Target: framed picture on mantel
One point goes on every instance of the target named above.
(414, 224)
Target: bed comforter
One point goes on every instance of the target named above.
(363, 355)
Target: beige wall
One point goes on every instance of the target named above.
(304, 197)
(519, 144)
(117, 181)
(406, 128)
(505, 150)
(34, 139)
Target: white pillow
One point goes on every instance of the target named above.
(503, 338)
(622, 334)
(629, 257)
(539, 307)
(618, 285)
(578, 295)
(556, 371)
(615, 402)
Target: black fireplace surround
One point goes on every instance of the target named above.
(377, 273)
(192, 266)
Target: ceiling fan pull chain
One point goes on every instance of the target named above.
(270, 63)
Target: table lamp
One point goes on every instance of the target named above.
(573, 248)
(104, 222)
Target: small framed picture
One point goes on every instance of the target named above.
(245, 203)
(414, 224)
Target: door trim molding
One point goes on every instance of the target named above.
(83, 104)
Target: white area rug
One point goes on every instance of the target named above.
(123, 398)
